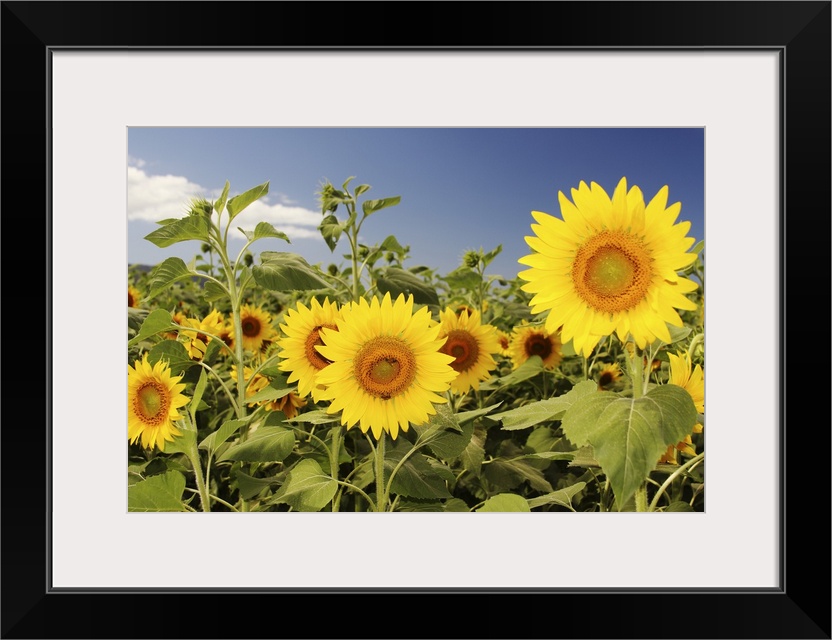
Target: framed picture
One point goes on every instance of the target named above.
(752, 77)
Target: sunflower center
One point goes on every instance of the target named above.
(151, 403)
(462, 346)
(612, 271)
(130, 300)
(312, 340)
(251, 327)
(538, 345)
(385, 367)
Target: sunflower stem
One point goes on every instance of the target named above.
(381, 490)
(334, 455)
(689, 465)
(196, 463)
(641, 498)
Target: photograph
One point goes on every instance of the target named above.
(416, 319)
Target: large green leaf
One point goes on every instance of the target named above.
(510, 473)
(190, 228)
(562, 497)
(529, 369)
(264, 230)
(213, 440)
(165, 274)
(473, 455)
(331, 230)
(415, 478)
(172, 352)
(395, 281)
(238, 203)
(307, 487)
(544, 410)
(286, 272)
(371, 206)
(463, 278)
(162, 492)
(629, 436)
(505, 502)
(156, 321)
(267, 444)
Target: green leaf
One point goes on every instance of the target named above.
(165, 274)
(395, 281)
(212, 292)
(156, 321)
(455, 505)
(264, 230)
(240, 202)
(510, 473)
(190, 228)
(676, 334)
(562, 497)
(219, 205)
(331, 231)
(174, 353)
(228, 428)
(415, 478)
(271, 392)
(544, 410)
(347, 182)
(473, 455)
(286, 272)
(267, 444)
(391, 244)
(488, 257)
(371, 206)
(529, 369)
(679, 507)
(316, 417)
(627, 435)
(307, 487)
(199, 390)
(158, 493)
(362, 188)
(249, 486)
(505, 502)
(467, 416)
(463, 278)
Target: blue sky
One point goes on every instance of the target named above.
(460, 188)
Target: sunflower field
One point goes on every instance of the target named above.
(261, 382)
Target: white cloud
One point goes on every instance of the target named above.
(155, 198)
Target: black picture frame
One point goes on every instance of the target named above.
(799, 31)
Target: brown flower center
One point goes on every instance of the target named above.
(612, 271)
(462, 346)
(538, 345)
(314, 339)
(151, 402)
(251, 327)
(385, 367)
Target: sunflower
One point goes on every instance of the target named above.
(198, 338)
(288, 404)
(610, 265)
(256, 324)
(471, 344)
(505, 342)
(385, 370)
(528, 341)
(179, 318)
(608, 376)
(153, 397)
(303, 333)
(133, 296)
(693, 381)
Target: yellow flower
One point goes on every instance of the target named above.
(693, 381)
(505, 342)
(386, 369)
(198, 340)
(303, 333)
(288, 404)
(471, 344)
(256, 327)
(153, 397)
(528, 341)
(133, 296)
(609, 265)
(609, 375)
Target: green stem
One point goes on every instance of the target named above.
(196, 463)
(334, 455)
(381, 490)
(689, 465)
(641, 498)
(637, 372)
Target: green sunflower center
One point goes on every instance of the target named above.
(463, 347)
(151, 403)
(385, 367)
(612, 271)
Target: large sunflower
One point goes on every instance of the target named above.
(303, 333)
(385, 370)
(471, 344)
(610, 265)
(528, 340)
(693, 381)
(256, 324)
(153, 397)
